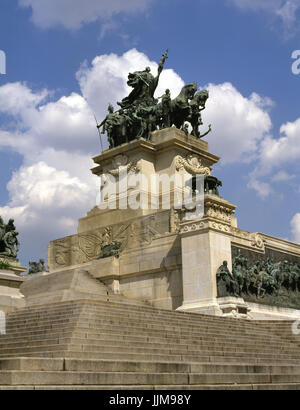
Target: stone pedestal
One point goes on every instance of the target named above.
(205, 244)
(10, 282)
(234, 307)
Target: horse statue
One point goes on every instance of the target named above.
(180, 106)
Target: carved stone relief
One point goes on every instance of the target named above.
(191, 164)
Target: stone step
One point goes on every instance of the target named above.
(36, 378)
(157, 312)
(198, 343)
(172, 329)
(98, 335)
(125, 346)
(128, 334)
(98, 344)
(155, 325)
(163, 342)
(265, 386)
(236, 358)
(76, 365)
(86, 347)
(228, 323)
(250, 325)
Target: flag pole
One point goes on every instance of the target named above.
(98, 128)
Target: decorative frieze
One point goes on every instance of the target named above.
(83, 248)
(215, 209)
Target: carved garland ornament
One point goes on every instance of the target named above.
(191, 164)
(120, 163)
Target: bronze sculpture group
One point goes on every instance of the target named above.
(141, 114)
(260, 278)
(37, 267)
(9, 243)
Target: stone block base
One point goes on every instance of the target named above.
(10, 296)
(267, 312)
(72, 284)
(234, 307)
(205, 307)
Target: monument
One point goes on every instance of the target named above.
(161, 231)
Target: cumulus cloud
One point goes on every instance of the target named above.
(239, 123)
(18, 99)
(105, 80)
(54, 187)
(275, 154)
(295, 226)
(72, 14)
(44, 202)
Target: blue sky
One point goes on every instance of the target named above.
(69, 58)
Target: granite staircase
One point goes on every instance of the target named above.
(109, 345)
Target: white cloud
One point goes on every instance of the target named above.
(72, 14)
(239, 123)
(263, 189)
(277, 153)
(18, 99)
(282, 176)
(295, 225)
(105, 81)
(66, 124)
(45, 203)
(288, 12)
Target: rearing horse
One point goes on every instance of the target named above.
(180, 107)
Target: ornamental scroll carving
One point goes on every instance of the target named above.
(191, 164)
(62, 252)
(257, 241)
(121, 163)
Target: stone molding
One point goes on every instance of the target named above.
(239, 237)
(204, 224)
(219, 209)
(248, 240)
